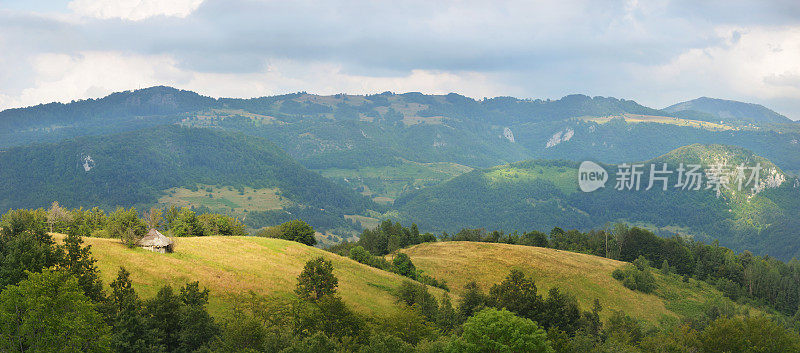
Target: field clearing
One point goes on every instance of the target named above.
(565, 179)
(585, 276)
(211, 116)
(233, 266)
(225, 199)
(366, 222)
(386, 183)
(636, 118)
(430, 120)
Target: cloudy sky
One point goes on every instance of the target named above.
(654, 52)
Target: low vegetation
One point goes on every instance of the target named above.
(295, 230)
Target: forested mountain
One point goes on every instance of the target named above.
(135, 168)
(387, 144)
(542, 194)
(354, 131)
(729, 111)
(117, 112)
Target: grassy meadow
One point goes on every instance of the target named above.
(234, 266)
(636, 118)
(386, 183)
(585, 276)
(225, 199)
(562, 177)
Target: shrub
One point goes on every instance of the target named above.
(186, 224)
(299, 231)
(317, 280)
(404, 266)
(493, 330)
(217, 224)
(126, 225)
(636, 277)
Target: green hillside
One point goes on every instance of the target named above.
(370, 142)
(138, 168)
(351, 131)
(588, 277)
(542, 194)
(728, 110)
(231, 267)
(117, 112)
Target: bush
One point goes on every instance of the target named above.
(493, 330)
(297, 230)
(636, 277)
(361, 255)
(404, 266)
(217, 224)
(126, 225)
(186, 224)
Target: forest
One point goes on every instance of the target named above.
(134, 169)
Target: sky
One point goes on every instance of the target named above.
(654, 52)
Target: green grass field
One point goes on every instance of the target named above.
(563, 178)
(225, 199)
(384, 184)
(636, 118)
(366, 222)
(231, 267)
(585, 276)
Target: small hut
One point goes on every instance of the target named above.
(155, 241)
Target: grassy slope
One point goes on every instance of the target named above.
(226, 199)
(586, 276)
(635, 118)
(385, 183)
(232, 266)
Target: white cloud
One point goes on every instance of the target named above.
(655, 52)
(134, 10)
(61, 77)
(758, 62)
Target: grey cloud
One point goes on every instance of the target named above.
(386, 37)
(545, 49)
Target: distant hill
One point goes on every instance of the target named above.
(541, 194)
(135, 168)
(117, 112)
(727, 110)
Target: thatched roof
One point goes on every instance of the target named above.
(155, 239)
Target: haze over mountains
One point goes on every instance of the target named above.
(403, 147)
(731, 111)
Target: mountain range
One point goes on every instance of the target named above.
(542, 194)
(346, 161)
